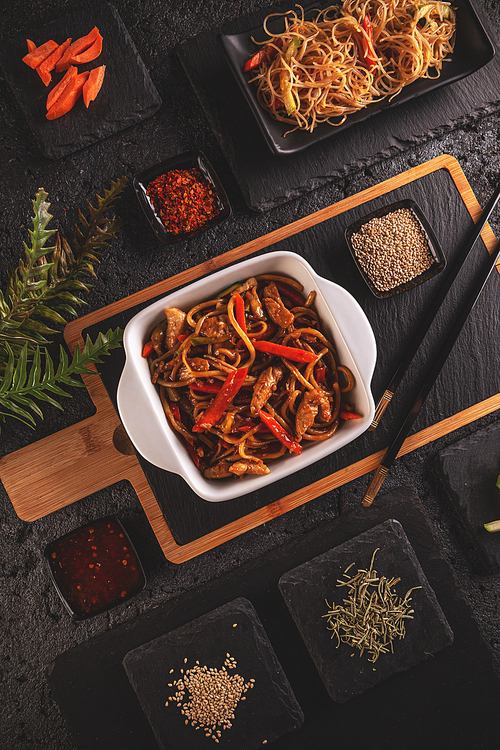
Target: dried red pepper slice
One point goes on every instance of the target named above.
(279, 432)
(223, 399)
(288, 352)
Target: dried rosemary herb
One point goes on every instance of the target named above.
(373, 615)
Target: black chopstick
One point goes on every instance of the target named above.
(432, 373)
(415, 342)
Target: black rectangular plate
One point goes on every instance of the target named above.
(445, 702)
(473, 49)
(127, 96)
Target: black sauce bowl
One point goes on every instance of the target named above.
(438, 257)
(182, 161)
(94, 568)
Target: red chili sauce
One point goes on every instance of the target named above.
(95, 568)
(183, 199)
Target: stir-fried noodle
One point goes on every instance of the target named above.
(248, 376)
(327, 64)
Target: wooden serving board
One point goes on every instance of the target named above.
(96, 453)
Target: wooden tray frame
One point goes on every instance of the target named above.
(96, 453)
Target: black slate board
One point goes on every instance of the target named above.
(446, 702)
(267, 179)
(475, 355)
(127, 96)
(344, 671)
(472, 50)
(270, 708)
(468, 470)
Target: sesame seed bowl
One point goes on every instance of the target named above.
(395, 248)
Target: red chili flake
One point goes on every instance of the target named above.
(183, 199)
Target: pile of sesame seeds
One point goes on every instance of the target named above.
(208, 697)
(392, 249)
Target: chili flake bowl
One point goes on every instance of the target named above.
(187, 161)
(138, 399)
(426, 232)
(95, 568)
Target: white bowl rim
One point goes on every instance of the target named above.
(153, 437)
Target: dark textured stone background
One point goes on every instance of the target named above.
(33, 626)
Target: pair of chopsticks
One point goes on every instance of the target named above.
(436, 366)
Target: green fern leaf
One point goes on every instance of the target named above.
(20, 390)
(48, 282)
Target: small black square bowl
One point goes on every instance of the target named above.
(187, 160)
(438, 257)
(95, 568)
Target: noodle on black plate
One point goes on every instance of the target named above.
(329, 63)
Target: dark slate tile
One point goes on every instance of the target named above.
(344, 670)
(128, 95)
(468, 471)
(270, 709)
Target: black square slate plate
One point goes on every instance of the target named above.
(127, 96)
(468, 470)
(473, 49)
(344, 671)
(270, 709)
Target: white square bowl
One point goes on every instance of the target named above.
(139, 405)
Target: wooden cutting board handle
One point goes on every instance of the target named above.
(79, 460)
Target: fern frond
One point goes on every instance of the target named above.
(47, 284)
(25, 383)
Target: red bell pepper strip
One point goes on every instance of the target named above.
(247, 426)
(369, 56)
(292, 295)
(48, 65)
(176, 412)
(288, 352)
(39, 54)
(205, 387)
(279, 432)
(265, 54)
(239, 312)
(223, 399)
(148, 349)
(349, 415)
(319, 374)
(194, 455)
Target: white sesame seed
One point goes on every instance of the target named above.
(392, 249)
